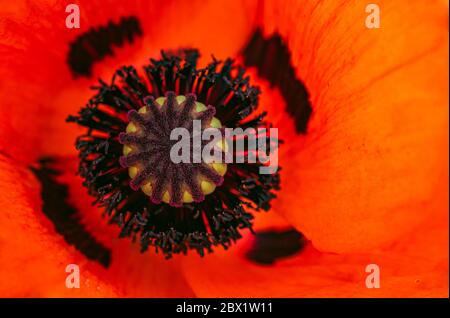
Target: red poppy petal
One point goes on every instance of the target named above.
(374, 163)
(28, 237)
(34, 257)
(408, 269)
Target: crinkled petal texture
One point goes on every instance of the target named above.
(373, 166)
(405, 271)
(34, 257)
(38, 92)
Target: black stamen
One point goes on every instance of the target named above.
(210, 220)
(272, 59)
(97, 43)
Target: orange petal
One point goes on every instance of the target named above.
(34, 257)
(406, 270)
(374, 164)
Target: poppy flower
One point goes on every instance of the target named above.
(362, 113)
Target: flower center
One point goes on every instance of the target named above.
(147, 150)
(175, 205)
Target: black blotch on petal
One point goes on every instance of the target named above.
(64, 216)
(269, 246)
(98, 42)
(272, 58)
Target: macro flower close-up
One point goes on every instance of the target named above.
(333, 183)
